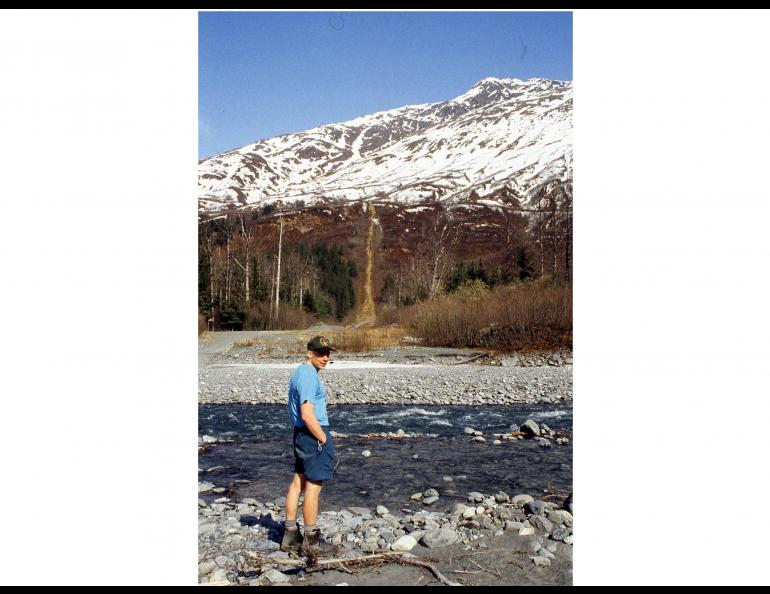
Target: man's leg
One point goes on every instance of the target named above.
(292, 540)
(311, 546)
(310, 507)
(292, 496)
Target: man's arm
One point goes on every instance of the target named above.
(307, 412)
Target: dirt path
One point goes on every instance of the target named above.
(367, 312)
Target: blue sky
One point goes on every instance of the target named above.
(262, 74)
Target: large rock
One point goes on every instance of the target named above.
(205, 528)
(541, 561)
(404, 543)
(502, 513)
(526, 531)
(519, 500)
(560, 516)
(364, 512)
(391, 521)
(559, 533)
(546, 553)
(266, 545)
(275, 577)
(534, 507)
(204, 487)
(541, 523)
(531, 428)
(351, 523)
(443, 537)
(219, 576)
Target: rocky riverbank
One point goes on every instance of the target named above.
(471, 537)
(287, 346)
(523, 540)
(255, 368)
(439, 385)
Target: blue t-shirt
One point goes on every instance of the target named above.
(305, 385)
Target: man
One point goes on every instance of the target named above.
(314, 454)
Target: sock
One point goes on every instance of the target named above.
(311, 527)
(291, 524)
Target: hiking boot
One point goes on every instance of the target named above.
(292, 540)
(312, 547)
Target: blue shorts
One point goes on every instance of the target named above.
(314, 462)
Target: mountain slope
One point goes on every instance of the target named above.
(502, 133)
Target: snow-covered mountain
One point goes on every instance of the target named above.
(502, 133)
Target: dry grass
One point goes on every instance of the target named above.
(246, 342)
(361, 340)
(289, 318)
(533, 315)
(391, 315)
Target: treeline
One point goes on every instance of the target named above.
(463, 274)
(536, 243)
(252, 280)
(247, 281)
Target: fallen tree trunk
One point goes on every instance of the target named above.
(473, 359)
(344, 563)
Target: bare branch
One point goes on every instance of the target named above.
(359, 562)
(239, 264)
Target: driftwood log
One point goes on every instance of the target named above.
(473, 359)
(345, 564)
